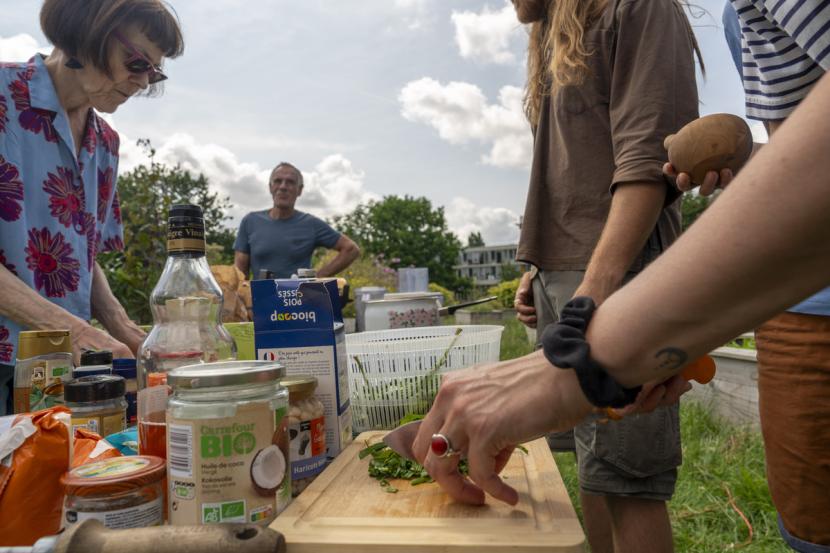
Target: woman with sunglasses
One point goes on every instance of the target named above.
(58, 169)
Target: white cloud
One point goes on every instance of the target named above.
(20, 48)
(485, 36)
(416, 16)
(333, 187)
(497, 225)
(460, 113)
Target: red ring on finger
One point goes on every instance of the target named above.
(441, 446)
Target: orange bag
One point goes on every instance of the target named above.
(31, 497)
(90, 447)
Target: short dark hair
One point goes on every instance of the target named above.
(83, 28)
(286, 164)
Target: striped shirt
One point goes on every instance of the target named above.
(786, 50)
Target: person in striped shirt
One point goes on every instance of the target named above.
(784, 51)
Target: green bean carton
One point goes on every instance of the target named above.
(299, 323)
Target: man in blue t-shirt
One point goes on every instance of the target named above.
(281, 239)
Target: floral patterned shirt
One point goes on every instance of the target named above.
(57, 210)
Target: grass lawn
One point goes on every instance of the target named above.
(722, 475)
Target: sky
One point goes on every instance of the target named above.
(368, 98)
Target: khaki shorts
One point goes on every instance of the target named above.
(637, 456)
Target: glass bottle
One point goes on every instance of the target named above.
(187, 327)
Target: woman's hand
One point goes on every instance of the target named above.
(485, 412)
(711, 182)
(525, 311)
(87, 337)
(129, 334)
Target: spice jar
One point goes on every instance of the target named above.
(97, 403)
(227, 443)
(306, 429)
(121, 492)
(94, 362)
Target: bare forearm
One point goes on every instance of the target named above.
(105, 307)
(634, 211)
(111, 314)
(31, 310)
(762, 247)
(243, 263)
(347, 252)
(340, 262)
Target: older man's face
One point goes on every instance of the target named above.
(285, 187)
(529, 11)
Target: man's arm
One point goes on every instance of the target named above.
(347, 252)
(635, 208)
(111, 314)
(242, 261)
(762, 247)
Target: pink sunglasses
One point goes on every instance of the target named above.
(138, 63)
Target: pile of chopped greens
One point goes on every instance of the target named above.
(386, 465)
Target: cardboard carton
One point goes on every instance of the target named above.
(300, 324)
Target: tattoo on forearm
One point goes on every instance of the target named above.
(670, 359)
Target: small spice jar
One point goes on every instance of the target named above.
(121, 492)
(94, 362)
(97, 403)
(307, 431)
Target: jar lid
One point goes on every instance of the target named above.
(41, 342)
(225, 373)
(300, 384)
(90, 370)
(101, 357)
(114, 475)
(124, 367)
(94, 388)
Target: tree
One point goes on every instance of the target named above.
(474, 240)
(146, 194)
(510, 271)
(692, 206)
(410, 230)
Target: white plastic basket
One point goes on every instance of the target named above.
(392, 373)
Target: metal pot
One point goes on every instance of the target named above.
(411, 309)
(403, 310)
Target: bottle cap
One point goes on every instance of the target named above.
(87, 389)
(185, 230)
(101, 357)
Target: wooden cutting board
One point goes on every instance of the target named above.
(345, 510)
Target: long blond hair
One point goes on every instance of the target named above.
(556, 52)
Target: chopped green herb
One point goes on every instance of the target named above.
(386, 465)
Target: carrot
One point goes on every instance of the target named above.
(702, 370)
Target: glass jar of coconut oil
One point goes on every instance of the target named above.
(227, 443)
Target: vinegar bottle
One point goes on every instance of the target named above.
(187, 327)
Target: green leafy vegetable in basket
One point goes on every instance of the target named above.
(417, 392)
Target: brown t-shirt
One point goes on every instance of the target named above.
(640, 88)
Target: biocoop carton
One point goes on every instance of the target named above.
(299, 323)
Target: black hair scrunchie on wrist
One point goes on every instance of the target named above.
(564, 345)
